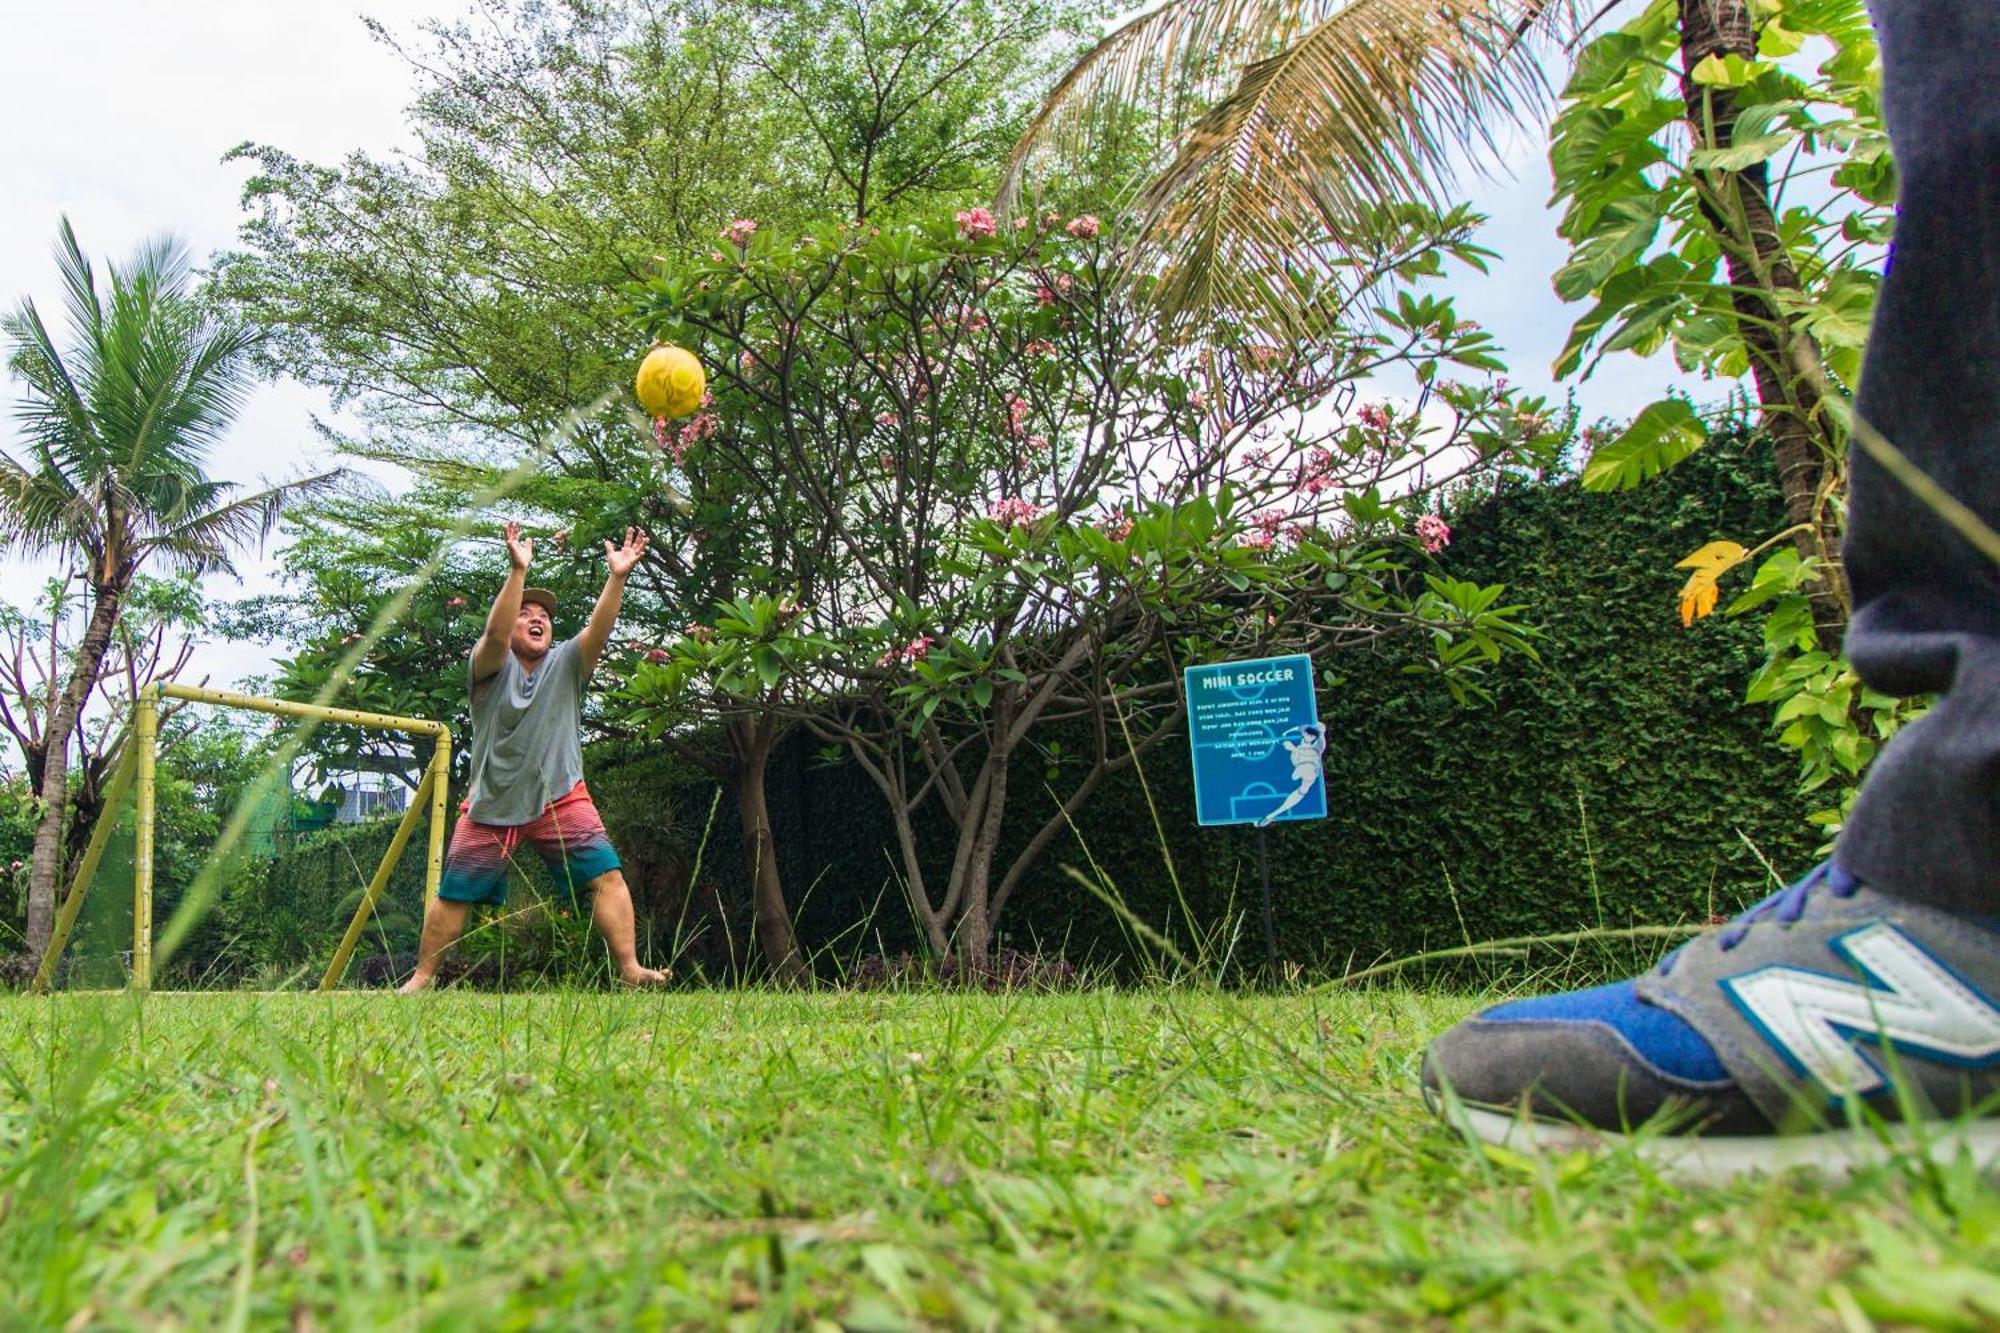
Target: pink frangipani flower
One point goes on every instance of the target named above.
(909, 652)
(699, 427)
(1014, 512)
(1017, 413)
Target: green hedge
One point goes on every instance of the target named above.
(290, 914)
(1622, 780)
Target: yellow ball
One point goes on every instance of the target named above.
(670, 382)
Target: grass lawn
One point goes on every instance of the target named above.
(872, 1161)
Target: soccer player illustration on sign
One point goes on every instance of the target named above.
(1308, 766)
(527, 766)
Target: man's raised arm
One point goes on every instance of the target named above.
(621, 559)
(490, 653)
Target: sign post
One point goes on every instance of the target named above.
(1258, 748)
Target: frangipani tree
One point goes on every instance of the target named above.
(1032, 500)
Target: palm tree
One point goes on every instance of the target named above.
(117, 428)
(1293, 120)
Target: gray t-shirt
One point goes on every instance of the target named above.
(526, 749)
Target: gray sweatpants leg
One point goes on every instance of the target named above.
(1926, 603)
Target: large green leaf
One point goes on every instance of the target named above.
(1744, 153)
(1603, 63)
(1844, 310)
(1624, 290)
(1761, 133)
(1623, 232)
(770, 666)
(1659, 437)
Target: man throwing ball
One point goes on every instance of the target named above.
(527, 766)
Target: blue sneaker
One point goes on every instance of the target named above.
(1828, 1026)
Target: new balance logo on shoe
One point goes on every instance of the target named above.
(1917, 1004)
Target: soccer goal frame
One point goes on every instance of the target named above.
(136, 769)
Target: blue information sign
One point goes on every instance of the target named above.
(1259, 748)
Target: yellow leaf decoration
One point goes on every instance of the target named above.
(1710, 563)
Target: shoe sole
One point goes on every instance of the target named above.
(1694, 1160)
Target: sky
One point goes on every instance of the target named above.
(121, 123)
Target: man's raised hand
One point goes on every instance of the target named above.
(521, 550)
(623, 558)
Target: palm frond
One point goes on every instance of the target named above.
(1172, 57)
(55, 412)
(201, 544)
(41, 513)
(216, 378)
(86, 312)
(1339, 109)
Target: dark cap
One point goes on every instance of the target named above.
(541, 597)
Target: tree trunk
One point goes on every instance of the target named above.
(750, 744)
(913, 880)
(46, 869)
(974, 928)
(86, 806)
(1758, 266)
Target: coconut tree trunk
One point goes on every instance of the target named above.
(1739, 212)
(750, 745)
(46, 868)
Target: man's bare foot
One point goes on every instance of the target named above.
(636, 975)
(417, 982)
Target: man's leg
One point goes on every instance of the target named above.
(1926, 603)
(577, 849)
(475, 871)
(611, 910)
(444, 922)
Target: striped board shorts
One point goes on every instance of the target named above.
(567, 835)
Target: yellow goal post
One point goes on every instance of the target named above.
(135, 769)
